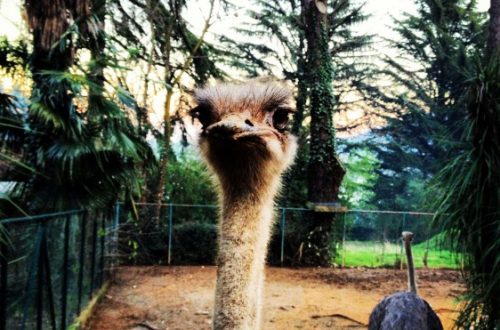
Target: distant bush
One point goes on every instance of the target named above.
(362, 233)
(194, 244)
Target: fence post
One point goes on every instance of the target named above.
(343, 240)
(116, 219)
(403, 225)
(93, 255)
(170, 214)
(283, 221)
(39, 281)
(64, 286)
(83, 237)
(45, 269)
(31, 277)
(103, 235)
(3, 284)
(114, 227)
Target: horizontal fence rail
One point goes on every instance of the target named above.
(51, 266)
(368, 238)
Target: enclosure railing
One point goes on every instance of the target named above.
(51, 266)
(363, 237)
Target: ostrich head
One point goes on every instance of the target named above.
(407, 236)
(244, 136)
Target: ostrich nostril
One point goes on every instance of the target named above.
(248, 122)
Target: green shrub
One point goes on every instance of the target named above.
(194, 244)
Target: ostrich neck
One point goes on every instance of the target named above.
(412, 285)
(245, 227)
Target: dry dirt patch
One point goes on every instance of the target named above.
(144, 298)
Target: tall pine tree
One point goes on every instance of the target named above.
(422, 104)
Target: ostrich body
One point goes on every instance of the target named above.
(405, 310)
(246, 146)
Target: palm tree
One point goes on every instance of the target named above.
(82, 156)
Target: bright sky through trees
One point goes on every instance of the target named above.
(379, 24)
(381, 11)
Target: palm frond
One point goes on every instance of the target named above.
(470, 207)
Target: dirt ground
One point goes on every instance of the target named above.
(146, 298)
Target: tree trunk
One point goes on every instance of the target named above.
(164, 151)
(301, 99)
(325, 171)
(165, 143)
(494, 28)
(294, 177)
(48, 21)
(96, 43)
(171, 81)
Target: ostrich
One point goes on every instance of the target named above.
(405, 310)
(247, 147)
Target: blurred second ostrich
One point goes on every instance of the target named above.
(405, 310)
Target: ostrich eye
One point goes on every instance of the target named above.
(204, 114)
(280, 119)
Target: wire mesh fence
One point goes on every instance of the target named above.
(167, 234)
(373, 239)
(187, 234)
(51, 266)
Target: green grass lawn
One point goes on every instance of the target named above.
(377, 254)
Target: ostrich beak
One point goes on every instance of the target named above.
(230, 128)
(238, 131)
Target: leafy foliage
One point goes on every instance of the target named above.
(356, 190)
(309, 64)
(13, 55)
(69, 143)
(281, 24)
(189, 182)
(469, 206)
(75, 145)
(434, 47)
(12, 113)
(194, 243)
(171, 38)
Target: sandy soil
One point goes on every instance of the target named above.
(145, 298)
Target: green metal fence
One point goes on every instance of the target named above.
(51, 266)
(373, 239)
(367, 238)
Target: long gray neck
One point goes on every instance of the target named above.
(412, 284)
(244, 233)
